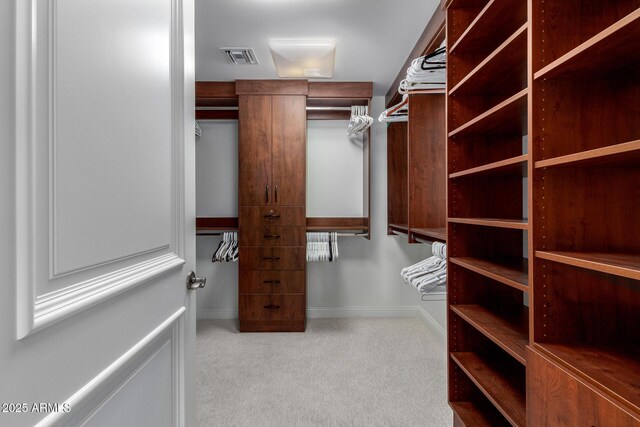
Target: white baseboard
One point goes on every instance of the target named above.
(355, 312)
(214, 313)
(432, 324)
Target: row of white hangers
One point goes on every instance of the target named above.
(360, 120)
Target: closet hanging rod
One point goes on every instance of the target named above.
(421, 240)
(328, 108)
(228, 108)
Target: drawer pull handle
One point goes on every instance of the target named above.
(272, 258)
(272, 237)
(271, 307)
(272, 282)
(272, 215)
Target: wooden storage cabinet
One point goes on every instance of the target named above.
(585, 369)
(487, 167)
(272, 214)
(272, 281)
(416, 165)
(558, 397)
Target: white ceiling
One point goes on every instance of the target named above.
(374, 37)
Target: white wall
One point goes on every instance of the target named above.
(366, 280)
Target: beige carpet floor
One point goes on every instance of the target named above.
(340, 372)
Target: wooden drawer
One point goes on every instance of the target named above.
(557, 397)
(272, 215)
(272, 235)
(272, 281)
(272, 307)
(272, 258)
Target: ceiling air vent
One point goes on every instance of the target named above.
(240, 55)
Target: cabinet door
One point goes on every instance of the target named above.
(289, 150)
(254, 144)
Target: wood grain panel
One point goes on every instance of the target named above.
(558, 398)
(272, 235)
(271, 215)
(573, 22)
(272, 282)
(340, 90)
(289, 153)
(506, 392)
(427, 162)
(272, 258)
(272, 307)
(272, 87)
(210, 89)
(397, 174)
(254, 145)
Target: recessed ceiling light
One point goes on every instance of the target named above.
(304, 58)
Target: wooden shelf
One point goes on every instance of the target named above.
(518, 224)
(507, 118)
(439, 234)
(510, 334)
(489, 28)
(511, 274)
(472, 414)
(509, 59)
(594, 55)
(625, 154)
(337, 228)
(507, 394)
(211, 226)
(623, 265)
(615, 370)
(399, 228)
(513, 166)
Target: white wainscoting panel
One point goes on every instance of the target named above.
(100, 185)
(148, 381)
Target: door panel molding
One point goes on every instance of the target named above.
(46, 293)
(85, 402)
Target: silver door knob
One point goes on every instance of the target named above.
(194, 282)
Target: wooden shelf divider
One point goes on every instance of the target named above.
(519, 224)
(623, 265)
(439, 234)
(488, 28)
(506, 58)
(513, 166)
(509, 334)
(509, 398)
(509, 274)
(471, 414)
(508, 116)
(594, 55)
(614, 369)
(627, 153)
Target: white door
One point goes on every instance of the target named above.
(97, 326)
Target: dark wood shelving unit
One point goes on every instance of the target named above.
(437, 234)
(508, 58)
(492, 121)
(399, 229)
(519, 224)
(585, 95)
(208, 226)
(479, 415)
(509, 333)
(508, 398)
(416, 179)
(487, 163)
(416, 153)
(514, 274)
(513, 166)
